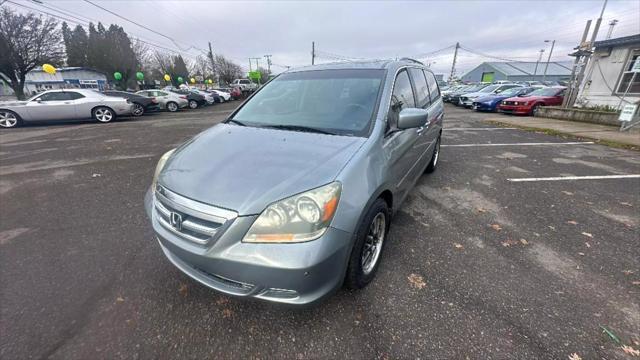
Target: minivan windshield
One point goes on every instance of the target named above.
(340, 101)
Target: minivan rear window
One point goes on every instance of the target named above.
(339, 101)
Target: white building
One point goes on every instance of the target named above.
(64, 78)
(609, 74)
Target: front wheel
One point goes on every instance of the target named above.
(193, 104)
(172, 107)
(434, 159)
(103, 114)
(9, 119)
(367, 250)
(535, 109)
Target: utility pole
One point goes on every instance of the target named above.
(553, 43)
(453, 66)
(598, 22)
(250, 70)
(578, 55)
(268, 63)
(313, 52)
(612, 24)
(213, 65)
(535, 72)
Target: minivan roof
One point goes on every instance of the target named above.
(363, 64)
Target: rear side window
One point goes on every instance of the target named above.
(433, 86)
(74, 95)
(53, 96)
(422, 90)
(401, 98)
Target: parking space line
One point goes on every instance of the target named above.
(522, 144)
(562, 178)
(480, 129)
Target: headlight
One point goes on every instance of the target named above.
(299, 218)
(160, 166)
(516, 103)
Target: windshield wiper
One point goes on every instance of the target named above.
(299, 128)
(235, 122)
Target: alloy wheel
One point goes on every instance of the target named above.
(193, 104)
(373, 244)
(172, 107)
(104, 115)
(8, 120)
(138, 110)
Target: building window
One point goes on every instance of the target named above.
(627, 75)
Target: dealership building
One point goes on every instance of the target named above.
(65, 78)
(519, 71)
(610, 76)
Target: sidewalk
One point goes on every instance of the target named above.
(609, 135)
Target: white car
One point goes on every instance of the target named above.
(166, 99)
(224, 96)
(62, 105)
(208, 97)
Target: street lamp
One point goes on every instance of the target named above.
(535, 72)
(553, 43)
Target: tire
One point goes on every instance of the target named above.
(193, 104)
(222, 99)
(360, 272)
(103, 114)
(9, 119)
(534, 109)
(433, 164)
(172, 106)
(138, 110)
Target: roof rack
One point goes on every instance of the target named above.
(412, 60)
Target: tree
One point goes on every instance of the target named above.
(27, 41)
(110, 50)
(76, 44)
(227, 70)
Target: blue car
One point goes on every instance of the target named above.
(490, 102)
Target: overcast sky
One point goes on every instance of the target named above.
(361, 29)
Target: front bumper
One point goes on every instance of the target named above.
(296, 274)
(123, 110)
(514, 109)
(480, 106)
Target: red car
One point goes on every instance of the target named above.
(527, 105)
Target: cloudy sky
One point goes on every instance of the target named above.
(359, 29)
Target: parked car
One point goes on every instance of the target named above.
(236, 93)
(467, 99)
(490, 102)
(61, 105)
(209, 98)
(292, 196)
(166, 99)
(245, 85)
(446, 94)
(141, 104)
(194, 100)
(529, 104)
(454, 97)
(224, 96)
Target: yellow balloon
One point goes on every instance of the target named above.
(167, 77)
(193, 80)
(49, 69)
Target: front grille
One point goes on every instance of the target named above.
(188, 219)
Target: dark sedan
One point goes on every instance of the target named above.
(195, 100)
(141, 104)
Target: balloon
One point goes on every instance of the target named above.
(117, 75)
(140, 76)
(180, 79)
(193, 81)
(167, 77)
(49, 69)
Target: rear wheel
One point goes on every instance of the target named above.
(367, 250)
(9, 119)
(172, 107)
(103, 114)
(138, 110)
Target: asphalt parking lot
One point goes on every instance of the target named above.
(480, 264)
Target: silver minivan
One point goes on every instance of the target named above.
(292, 195)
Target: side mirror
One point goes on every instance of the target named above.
(38, 100)
(412, 118)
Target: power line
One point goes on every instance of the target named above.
(144, 27)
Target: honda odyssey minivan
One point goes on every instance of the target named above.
(292, 195)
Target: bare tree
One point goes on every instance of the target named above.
(143, 53)
(27, 41)
(227, 70)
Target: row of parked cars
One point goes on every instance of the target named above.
(104, 107)
(522, 98)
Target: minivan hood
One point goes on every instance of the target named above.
(247, 168)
